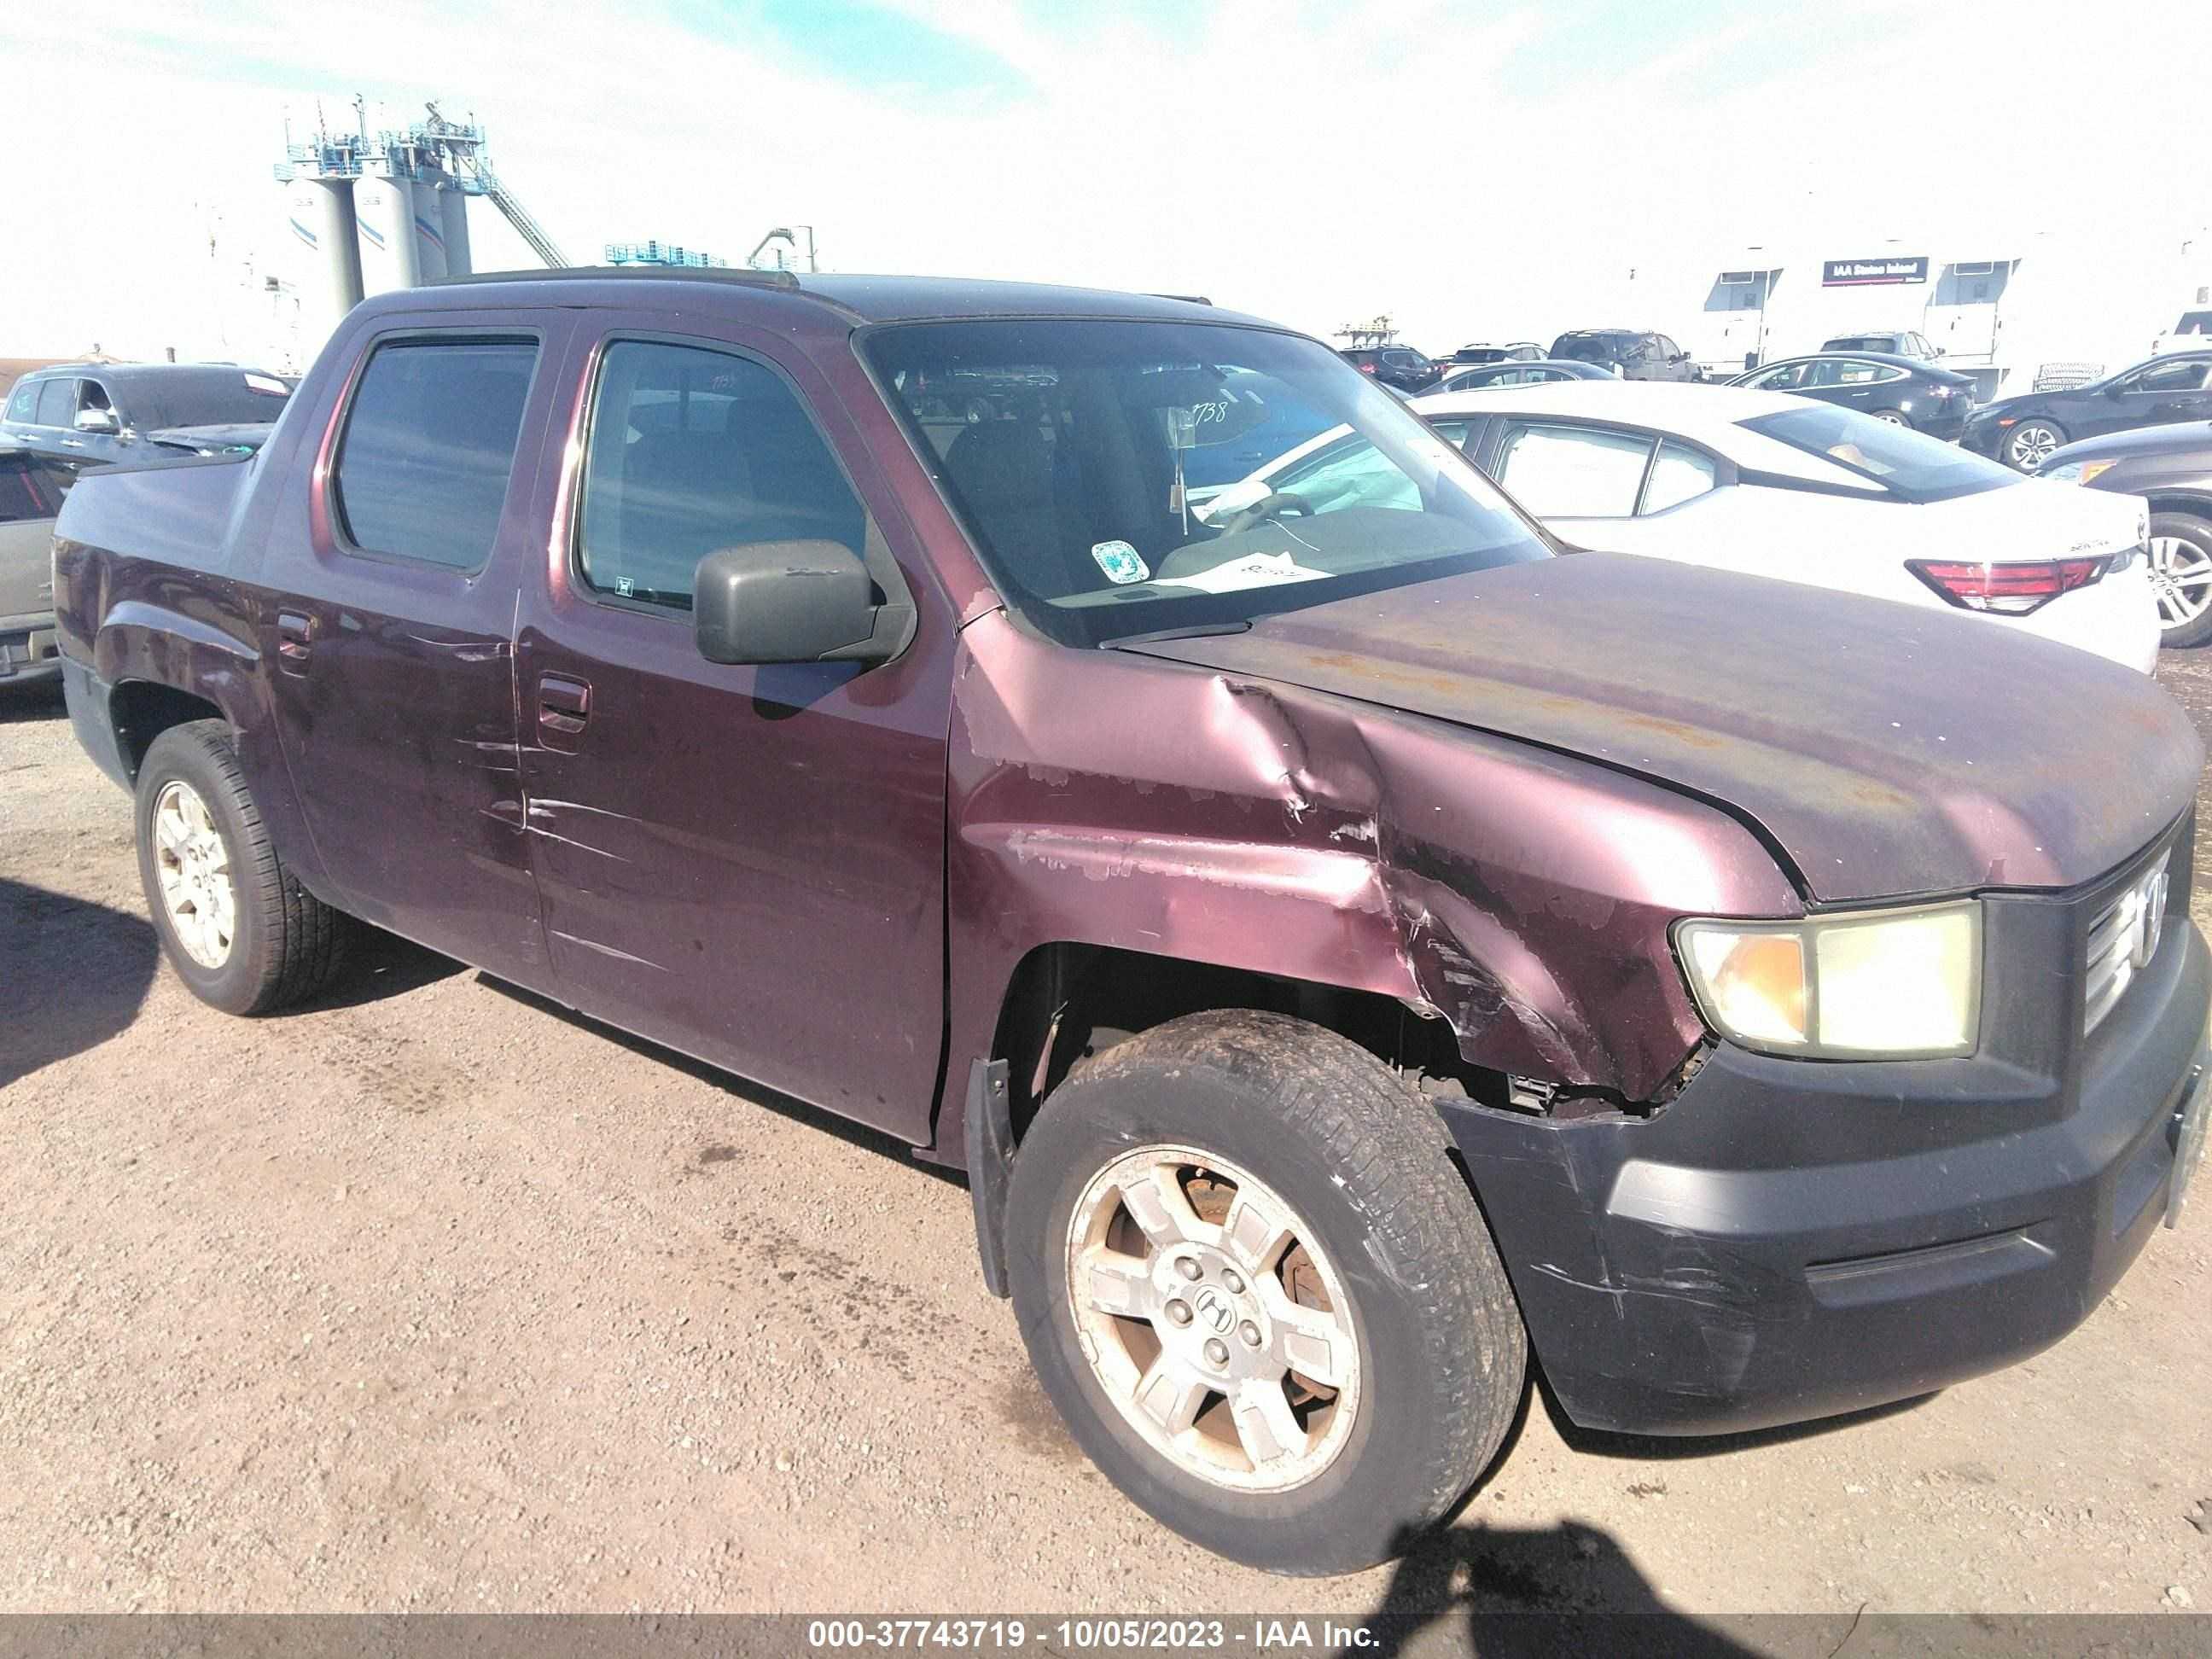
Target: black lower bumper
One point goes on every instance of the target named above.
(1788, 1240)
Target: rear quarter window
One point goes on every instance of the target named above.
(428, 446)
(23, 401)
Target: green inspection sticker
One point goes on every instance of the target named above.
(1121, 563)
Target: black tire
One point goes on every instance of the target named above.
(1894, 416)
(286, 943)
(2011, 450)
(1363, 1159)
(2195, 532)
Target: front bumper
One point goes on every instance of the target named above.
(1983, 437)
(29, 650)
(1787, 1240)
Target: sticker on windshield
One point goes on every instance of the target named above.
(1121, 563)
(1254, 570)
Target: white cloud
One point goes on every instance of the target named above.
(1315, 163)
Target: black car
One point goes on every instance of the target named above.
(85, 413)
(1401, 367)
(2171, 467)
(2022, 432)
(1632, 354)
(1522, 373)
(1904, 390)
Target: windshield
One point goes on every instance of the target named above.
(1086, 457)
(1911, 465)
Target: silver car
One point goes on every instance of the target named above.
(31, 491)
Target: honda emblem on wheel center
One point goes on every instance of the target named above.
(1215, 1310)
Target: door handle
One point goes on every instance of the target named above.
(564, 706)
(294, 632)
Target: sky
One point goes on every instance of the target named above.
(1474, 171)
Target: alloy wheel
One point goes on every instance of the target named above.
(2032, 445)
(1212, 1319)
(192, 863)
(2181, 577)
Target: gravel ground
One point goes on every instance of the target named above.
(434, 1296)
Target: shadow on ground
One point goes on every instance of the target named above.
(75, 974)
(740, 1089)
(40, 701)
(378, 965)
(1497, 1591)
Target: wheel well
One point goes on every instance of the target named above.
(142, 711)
(2173, 501)
(1066, 1002)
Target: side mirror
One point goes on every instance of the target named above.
(2113, 388)
(799, 601)
(97, 419)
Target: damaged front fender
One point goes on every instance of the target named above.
(1152, 806)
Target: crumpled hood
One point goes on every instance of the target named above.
(1889, 751)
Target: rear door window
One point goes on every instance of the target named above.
(56, 402)
(428, 446)
(692, 451)
(1573, 471)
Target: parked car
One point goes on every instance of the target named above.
(2170, 467)
(113, 411)
(1401, 367)
(1631, 353)
(2022, 431)
(1522, 372)
(1470, 356)
(1891, 342)
(1780, 486)
(31, 491)
(1811, 1001)
(1903, 391)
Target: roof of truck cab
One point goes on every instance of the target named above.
(855, 299)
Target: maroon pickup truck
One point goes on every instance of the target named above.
(1346, 947)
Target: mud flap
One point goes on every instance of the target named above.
(989, 1137)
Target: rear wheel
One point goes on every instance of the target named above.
(2181, 576)
(239, 930)
(1894, 416)
(1258, 1292)
(2029, 444)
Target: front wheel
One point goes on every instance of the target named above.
(237, 927)
(2181, 577)
(1260, 1294)
(2030, 443)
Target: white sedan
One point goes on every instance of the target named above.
(1784, 487)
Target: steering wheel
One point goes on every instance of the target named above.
(1268, 506)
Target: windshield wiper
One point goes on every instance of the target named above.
(1194, 631)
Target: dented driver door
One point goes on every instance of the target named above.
(743, 863)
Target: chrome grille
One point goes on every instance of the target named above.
(2123, 937)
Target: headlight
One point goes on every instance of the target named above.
(1888, 984)
(2075, 472)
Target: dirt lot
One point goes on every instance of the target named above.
(433, 1297)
